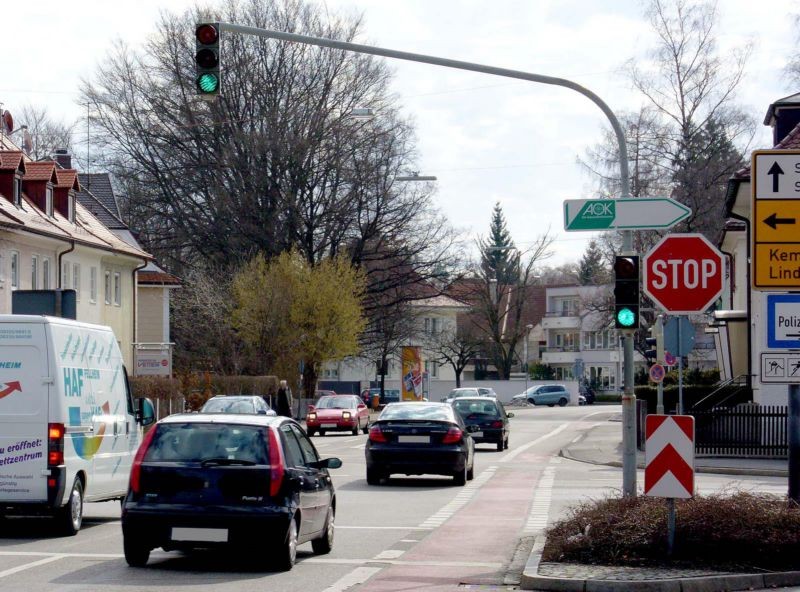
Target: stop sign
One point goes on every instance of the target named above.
(683, 273)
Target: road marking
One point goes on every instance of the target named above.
(462, 499)
(409, 540)
(19, 568)
(355, 578)
(513, 454)
(389, 554)
(375, 528)
(540, 508)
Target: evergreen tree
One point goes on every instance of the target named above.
(591, 271)
(499, 256)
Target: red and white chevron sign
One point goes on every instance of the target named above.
(669, 456)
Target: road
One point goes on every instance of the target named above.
(409, 534)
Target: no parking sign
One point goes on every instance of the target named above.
(657, 372)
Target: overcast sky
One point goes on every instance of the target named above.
(487, 139)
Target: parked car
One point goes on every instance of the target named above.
(488, 415)
(249, 481)
(461, 392)
(337, 414)
(237, 404)
(417, 438)
(548, 394)
(581, 400)
(389, 396)
(484, 391)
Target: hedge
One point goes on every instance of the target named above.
(196, 389)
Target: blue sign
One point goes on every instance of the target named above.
(783, 321)
(679, 336)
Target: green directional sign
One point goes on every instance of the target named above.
(639, 213)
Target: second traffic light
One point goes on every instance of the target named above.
(626, 292)
(206, 59)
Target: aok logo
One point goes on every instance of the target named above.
(603, 208)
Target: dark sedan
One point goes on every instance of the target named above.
(489, 418)
(249, 481)
(419, 438)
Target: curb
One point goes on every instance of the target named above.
(531, 580)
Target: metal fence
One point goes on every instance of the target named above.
(743, 431)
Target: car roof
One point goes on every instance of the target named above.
(243, 419)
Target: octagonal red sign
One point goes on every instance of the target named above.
(683, 273)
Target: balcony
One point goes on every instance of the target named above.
(561, 320)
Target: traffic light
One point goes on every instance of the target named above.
(626, 292)
(207, 75)
(651, 353)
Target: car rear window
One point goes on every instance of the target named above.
(196, 442)
(417, 411)
(229, 406)
(466, 408)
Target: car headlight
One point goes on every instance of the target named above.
(345, 415)
(311, 416)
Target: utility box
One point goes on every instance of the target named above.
(53, 303)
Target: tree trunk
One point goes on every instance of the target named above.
(309, 381)
(458, 378)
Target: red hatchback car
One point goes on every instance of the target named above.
(338, 413)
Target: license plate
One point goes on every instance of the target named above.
(477, 434)
(204, 535)
(414, 439)
(329, 426)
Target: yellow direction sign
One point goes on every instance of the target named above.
(775, 179)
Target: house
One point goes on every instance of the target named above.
(740, 325)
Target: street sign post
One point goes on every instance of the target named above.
(776, 219)
(783, 321)
(683, 273)
(679, 336)
(623, 214)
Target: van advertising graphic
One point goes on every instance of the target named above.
(9, 387)
(18, 459)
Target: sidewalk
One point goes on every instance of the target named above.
(602, 445)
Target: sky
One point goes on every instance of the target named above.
(487, 139)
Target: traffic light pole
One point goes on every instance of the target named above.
(628, 398)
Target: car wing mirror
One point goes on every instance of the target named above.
(326, 463)
(312, 408)
(145, 412)
(510, 414)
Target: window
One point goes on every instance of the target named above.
(71, 207)
(34, 272)
(309, 452)
(117, 288)
(93, 285)
(76, 280)
(16, 190)
(65, 276)
(294, 455)
(49, 200)
(14, 270)
(432, 368)
(45, 274)
(108, 287)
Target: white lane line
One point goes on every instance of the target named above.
(389, 554)
(32, 564)
(462, 499)
(513, 454)
(409, 540)
(373, 528)
(358, 446)
(543, 496)
(355, 578)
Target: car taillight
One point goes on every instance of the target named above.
(453, 436)
(55, 444)
(136, 468)
(276, 467)
(376, 435)
(497, 424)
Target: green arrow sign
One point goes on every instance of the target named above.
(638, 213)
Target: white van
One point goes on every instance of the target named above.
(68, 425)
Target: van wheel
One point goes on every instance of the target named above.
(324, 544)
(136, 553)
(287, 550)
(562, 402)
(70, 517)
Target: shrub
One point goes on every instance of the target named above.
(734, 530)
(155, 387)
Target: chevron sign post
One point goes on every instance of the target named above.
(669, 456)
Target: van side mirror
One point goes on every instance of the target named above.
(510, 414)
(145, 412)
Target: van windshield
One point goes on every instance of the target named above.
(196, 442)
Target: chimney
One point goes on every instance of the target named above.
(63, 158)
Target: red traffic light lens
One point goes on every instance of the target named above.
(626, 268)
(207, 58)
(207, 34)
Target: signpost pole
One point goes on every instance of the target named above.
(794, 442)
(670, 526)
(660, 360)
(680, 369)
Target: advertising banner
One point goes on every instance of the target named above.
(412, 373)
(153, 362)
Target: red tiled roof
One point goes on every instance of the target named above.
(791, 141)
(157, 277)
(44, 170)
(11, 160)
(68, 178)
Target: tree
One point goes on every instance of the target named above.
(457, 346)
(292, 312)
(498, 252)
(47, 135)
(276, 162)
(591, 270)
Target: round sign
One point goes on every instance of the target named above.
(683, 273)
(669, 359)
(657, 372)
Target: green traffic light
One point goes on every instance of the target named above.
(626, 317)
(207, 82)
